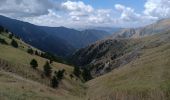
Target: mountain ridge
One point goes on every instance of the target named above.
(51, 39)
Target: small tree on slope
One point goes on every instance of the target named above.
(14, 43)
(34, 63)
(47, 69)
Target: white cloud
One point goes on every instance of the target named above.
(127, 13)
(100, 16)
(76, 13)
(77, 6)
(22, 8)
(157, 8)
(81, 12)
(51, 19)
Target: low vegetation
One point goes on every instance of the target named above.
(34, 63)
(27, 71)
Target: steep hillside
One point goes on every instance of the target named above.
(33, 35)
(18, 80)
(105, 55)
(78, 39)
(158, 27)
(101, 57)
(60, 41)
(144, 78)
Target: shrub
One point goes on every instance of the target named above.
(54, 82)
(2, 41)
(1, 29)
(11, 36)
(60, 74)
(30, 51)
(14, 43)
(77, 71)
(71, 76)
(34, 63)
(36, 53)
(86, 74)
(52, 57)
(47, 69)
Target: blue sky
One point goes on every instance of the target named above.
(87, 13)
(138, 5)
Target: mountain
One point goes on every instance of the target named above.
(128, 69)
(60, 41)
(122, 69)
(105, 55)
(143, 73)
(35, 36)
(158, 27)
(77, 39)
(110, 30)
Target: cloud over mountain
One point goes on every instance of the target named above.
(73, 13)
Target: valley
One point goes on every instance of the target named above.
(132, 64)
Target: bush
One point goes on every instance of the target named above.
(47, 69)
(86, 74)
(11, 36)
(60, 74)
(71, 76)
(52, 57)
(1, 29)
(36, 53)
(2, 41)
(14, 43)
(54, 82)
(30, 51)
(34, 63)
(77, 71)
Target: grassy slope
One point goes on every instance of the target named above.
(145, 78)
(16, 61)
(14, 87)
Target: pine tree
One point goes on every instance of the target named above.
(30, 51)
(36, 53)
(77, 71)
(47, 69)
(86, 74)
(11, 36)
(14, 43)
(60, 74)
(34, 63)
(54, 82)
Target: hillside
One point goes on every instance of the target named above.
(77, 39)
(134, 69)
(60, 41)
(157, 27)
(18, 80)
(36, 37)
(103, 56)
(144, 78)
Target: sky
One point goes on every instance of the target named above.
(86, 13)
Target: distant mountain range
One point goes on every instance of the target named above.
(110, 30)
(123, 45)
(60, 41)
(158, 27)
(77, 39)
